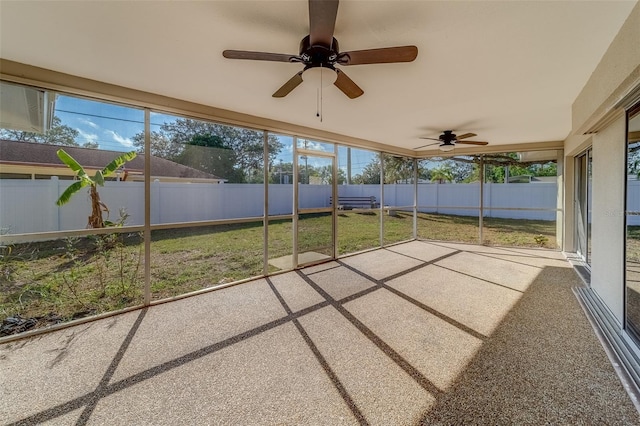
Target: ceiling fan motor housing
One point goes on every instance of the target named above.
(318, 55)
(448, 137)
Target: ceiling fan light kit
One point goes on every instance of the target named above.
(320, 76)
(319, 49)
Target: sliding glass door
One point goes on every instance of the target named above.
(583, 205)
(632, 216)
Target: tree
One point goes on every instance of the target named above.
(633, 159)
(97, 207)
(209, 154)
(248, 145)
(91, 145)
(398, 169)
(161, 145)
(370, 173)
(58, 134)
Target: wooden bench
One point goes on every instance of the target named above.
(350, 203)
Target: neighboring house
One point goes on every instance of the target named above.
(31, 160)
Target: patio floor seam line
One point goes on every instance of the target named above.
(403, 254)
(440, 243)
(493, 256)
(323, 270)
(359, 294)
(55, 412)
(481, 279)
(333, 377)
(418, 267)
(449, 320)
(278, 296)
(91, 399)
(514, 253)
(86, 413)
(413, 372)
(511, 250)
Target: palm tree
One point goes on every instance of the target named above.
(442, 174)
(97, 206)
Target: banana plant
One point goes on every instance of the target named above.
(97, 207)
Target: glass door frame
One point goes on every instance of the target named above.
(581, 199)
(297, 211)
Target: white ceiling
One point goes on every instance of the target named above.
(508, 71)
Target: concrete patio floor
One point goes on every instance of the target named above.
(417, 333)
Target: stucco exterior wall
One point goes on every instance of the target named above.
(615, 75)
(607, 264)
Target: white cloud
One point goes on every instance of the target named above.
(89, 123)
(121, 140)
(88, 137)
(315, 146)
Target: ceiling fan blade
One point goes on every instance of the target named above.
(466, 135)
(347, 85)
(473, 142)
(260, 56)
(288, 86)
(384, 55)
(431, 139)
(429, 144)
(322, 21)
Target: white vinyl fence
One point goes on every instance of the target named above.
(28, 206)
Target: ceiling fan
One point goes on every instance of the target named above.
(447, 141)
(320, 49)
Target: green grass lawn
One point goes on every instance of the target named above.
(71, 278)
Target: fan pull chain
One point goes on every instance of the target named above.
(321, 92)
(318, 95)
(319, 98)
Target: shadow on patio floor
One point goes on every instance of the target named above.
(542, 365)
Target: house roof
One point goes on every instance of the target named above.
(46, 155)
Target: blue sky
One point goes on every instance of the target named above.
(113, 127)
(110, 126)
